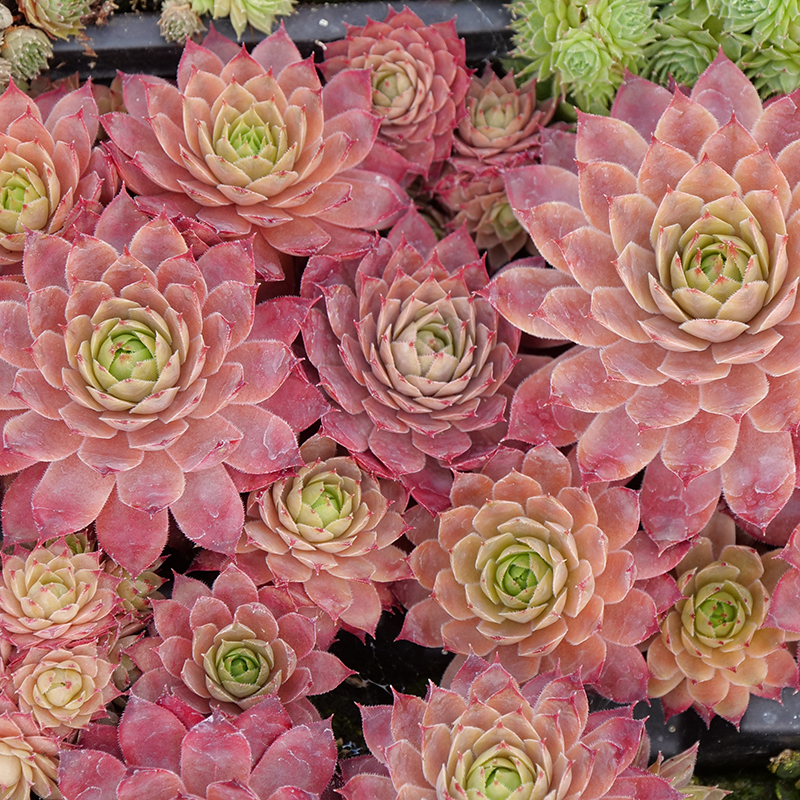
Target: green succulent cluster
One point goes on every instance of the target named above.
(259, 14)
(760, 36)
(179, 21)
(585, 45)
(27, 51)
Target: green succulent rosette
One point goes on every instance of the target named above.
(585, 65)
(259, 14)
(502, 772)
(27, 50)
(686, 45)
(766, 21)
(774, 70)
(132, 360)
(59, 18)
(24, 198)
(179, 21)
(586, 46)
(240, 667)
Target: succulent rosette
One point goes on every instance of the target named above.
(63, 689)
(60, 18)
(25, 52)
(406, 345)
(530, 569)
(225, 648)
(774, 68)
(138, 378)
(46, 173)
(478, 200)
(717, 646)
(585, 46)
(676, 272)
(53, 597)
(418, 79)
(502, 123)
(688, 39)
(259, 14)
(28, 758)
(252, 143)
(484, 738)
(259, 755)
(762, 19)
(331, 527)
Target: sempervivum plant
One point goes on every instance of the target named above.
(45, 165)
(774, 68)
(676, 271)
(717, 645)
(478, 200)
(687, 41)
(253, 143)
(501, 126)
(585, 46)
(408, 346)
(25, 52)
(28, 757)
(138, 379)
(256, 756)
(53, 597)
(259, 14)
(60, 18)
(225, 648)
(528, 568)
(330, 529)
(419, 80)
(63, 689)
(484, 738)
(763, 20)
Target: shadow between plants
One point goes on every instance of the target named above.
(381, 664)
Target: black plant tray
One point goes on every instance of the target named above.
(132, 43)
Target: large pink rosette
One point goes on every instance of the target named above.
(419, 81)
(231, 646)
(49, 172)
(676, 252)
(137, 379)
(529, 569)
(412, 354)
(484, 738)
(724, 639)
(253, 142)
(329, 532)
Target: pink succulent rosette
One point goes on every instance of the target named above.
(52, 598)
(415, 358)
(478, 201)
(225, 648)
(530, 569)
(252, 143)
(139, 379)
(676, 263)
(48, 168)
(330, 529)
(419, 81)
(502, 125)
(718, 644)
(485, 738)
(28, 757)
(161, 755)
(63, 689)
